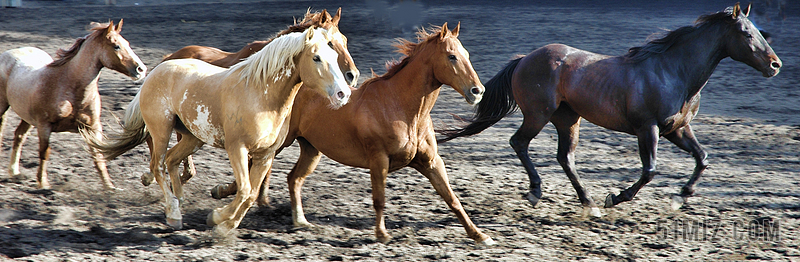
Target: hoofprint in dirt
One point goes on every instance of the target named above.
(748, 124)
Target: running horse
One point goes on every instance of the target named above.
(62, 95)
(221, 58)
(386, 126)
(652, 91)
(242, 109)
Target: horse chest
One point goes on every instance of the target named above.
(683, 117)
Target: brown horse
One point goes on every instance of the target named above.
(221, 58)
(386, 126)
(243, 109)
(652, 91)
(62, 95)
(322, 19)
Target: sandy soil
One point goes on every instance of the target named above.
(748, 124)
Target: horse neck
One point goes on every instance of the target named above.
(695, 58)
(81, 73)
(414, 87)
(280, 94)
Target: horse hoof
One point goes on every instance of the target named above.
(610, 201)
(177, 224)
(593, 211)
(210, 219)
(147, 179)
(487, 241)
(302, 224)
(216, 192)
(533, 198)
(384, 239)
(221, 232)
(677, 202)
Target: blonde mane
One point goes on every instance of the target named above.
(277, 57)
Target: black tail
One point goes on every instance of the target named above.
(498, 102)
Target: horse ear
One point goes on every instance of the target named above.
(119, 26)
(445, 32)
(325, 16)
(747, 11)
(736, 10)
(455, 30)
(309, 34)
(110, 27)
(337, 16)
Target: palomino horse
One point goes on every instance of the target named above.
(221, 58)
(652, 91)
(322, 19)
(243, 109)
(387, 126)
(61, 95)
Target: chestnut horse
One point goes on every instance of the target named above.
(221, 58)
(652, 91)
(243, 109)
(62, 95)
(322, 19)
(386, 126)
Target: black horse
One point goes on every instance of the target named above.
(652, 91)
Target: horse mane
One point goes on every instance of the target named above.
(276, 57)
(660, 45)
(316, 19)
(65, 55)
(407, 48)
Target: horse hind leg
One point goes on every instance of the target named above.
(567, 124)
(532, 124)
(188, 145)
(684, 138)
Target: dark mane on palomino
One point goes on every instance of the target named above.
(407, 48)
(65, 55)
(316, 19)
(660, 45)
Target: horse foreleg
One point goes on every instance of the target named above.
(44, 157)
(223, 218)
(20, 135)
(147, 178)
(568, 124)
(379, 168)
(648, 145)
(432, 167)
(684, 138)
(309, 158)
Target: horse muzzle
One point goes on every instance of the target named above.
(773, 68)
(339, 95)
(138, 73)
(474, 94)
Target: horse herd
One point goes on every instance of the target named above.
(298, 87)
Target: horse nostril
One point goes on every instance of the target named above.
(349, 76)
(139, 69)
(775, 65)
(475, 91)
(340, 94)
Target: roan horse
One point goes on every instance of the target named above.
(243, 109)
(62, 95)
(386, 126)
(221, 58)
(652, 91)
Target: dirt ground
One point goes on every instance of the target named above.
(748, 124)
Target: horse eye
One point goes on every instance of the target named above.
(330, 44)
(317, 59)
(452, 57)
(116, 47)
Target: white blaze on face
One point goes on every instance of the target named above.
(204, 129)
(330, 56)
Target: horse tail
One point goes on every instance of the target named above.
(498, 102)
(134, 133)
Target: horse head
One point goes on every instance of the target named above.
(338, 42)
(317, 66)
(116, 53)
(452, 65)
(745, 43)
